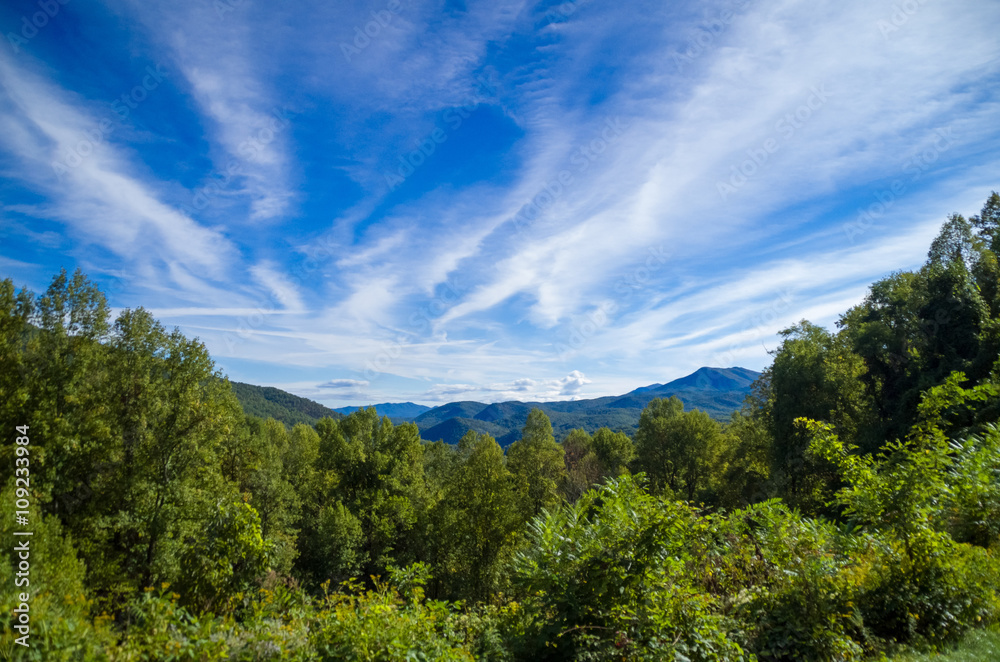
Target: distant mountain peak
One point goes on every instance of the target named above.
(706, 379)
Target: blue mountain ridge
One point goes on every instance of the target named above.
(403, 411)
(717, 391)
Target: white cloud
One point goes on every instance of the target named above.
(91, 185)
(344, 384)
(538, 390)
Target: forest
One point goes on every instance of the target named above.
(849, 510)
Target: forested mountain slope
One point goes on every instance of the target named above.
(270, 402)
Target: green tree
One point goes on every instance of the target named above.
(375, 470)
(16, 311)
(582, 466)
(252, 458)
(480, 508)
(65, 367)
(909, 495)
(746, 456)
(301, 455)
(229, 557)
(162, 476)
(915, 328)
(614, 451)
(816, 375)
(987, 222)
(538, 462)
(677, 450)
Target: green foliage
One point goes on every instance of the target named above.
(160, 474)
(226, 560)
(745, 461)
(341, 554)
(609, 576)
(679, 451)
(800, 602)
(613, 450)
(16, 332)
(583, 469)
(814, 375)
(477, 521)
(253, 458)
(975, 485)
(538, 463)
(382, 626)
(590, 460)
(361, 508)
(58, 607)
(924, 585)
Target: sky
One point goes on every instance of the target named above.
(403, 200)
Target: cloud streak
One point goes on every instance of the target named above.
(639, 192)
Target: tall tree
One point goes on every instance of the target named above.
(374, 470)
(480, 505)
(253, 459)
(582, 466)
(16, 331)
(538, 462)
(614, 451)
(163, 479)
(676, 449)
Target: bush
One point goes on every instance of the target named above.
(381, 626)
(609, 577)
(804, 609)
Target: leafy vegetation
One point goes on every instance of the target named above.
(849, 511)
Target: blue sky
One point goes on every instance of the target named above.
(431, 201)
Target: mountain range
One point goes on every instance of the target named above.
(716, 391)
(402, 411)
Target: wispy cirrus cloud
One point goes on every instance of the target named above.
(613, 209)
(99, 197)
